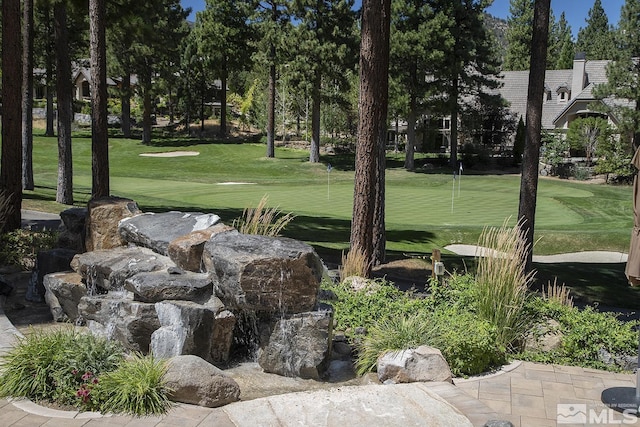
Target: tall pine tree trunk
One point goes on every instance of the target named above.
(531, 155)
(10, 176)
(125, 101)
(64, 193)
(146, 106)
(223, 99)
(368, 200)
(99, 127)
(49, 74)
(27, 96)
(409, 157)
(271, 103)
(314, 150)
(454, 123)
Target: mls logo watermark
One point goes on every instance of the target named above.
(581, 413)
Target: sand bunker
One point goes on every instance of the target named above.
(171, 154)
(236, 183)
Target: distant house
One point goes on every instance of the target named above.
(81, 78)
(568, 93)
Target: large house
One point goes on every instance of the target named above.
(568, 93)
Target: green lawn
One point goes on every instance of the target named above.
(424, 210)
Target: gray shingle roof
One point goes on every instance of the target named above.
(515, 86)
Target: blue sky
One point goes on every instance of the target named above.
(576, 11)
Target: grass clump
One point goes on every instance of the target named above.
(354, 263)
(502, 282)
(136, 387)
(558, 293)
(72, 368)
(262, 220)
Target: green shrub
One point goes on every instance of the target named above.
(57, 365)
(585, 333)
(136, 387)
(20, 247)
(468, 344)
(365, 307)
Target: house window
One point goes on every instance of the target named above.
(563, 96)
(446, 123)
(547, 95)
(85, 89)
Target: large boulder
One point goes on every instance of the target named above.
(186, 251)
(63, 293)
(157, 230)
(195, 381)
(73, 234)
(263, 274)
(118, 317)
(171, 284)
(422, 364)
(189, 328)
(108, 269)
(103, 217)
(299, 346)
(49, 261)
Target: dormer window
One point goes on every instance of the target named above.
(547, 94)
(563, 93)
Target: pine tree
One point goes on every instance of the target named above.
(225, 32)
(623, 75)
(561, 48)
(519, 32)
(99, 129)
(596, 40)
(326, 48)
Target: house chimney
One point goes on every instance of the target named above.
(579, 75)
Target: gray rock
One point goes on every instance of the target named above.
(186, 251)
(66, 289)
(73, 234)
(498, 423)
(108, 269)
(163, 285)
(157, 230)
(422, 364)
(258, 273)
(299, 346)
(189, 328)
(51, 261)
(103, 217)
(118, 317)
(195, 381)
(544, 337)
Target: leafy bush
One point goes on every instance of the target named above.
(20, 247)
(136, 387)
(57, 366)
(466, 342)
(585, 334)
(365, 307)
(262, 220)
